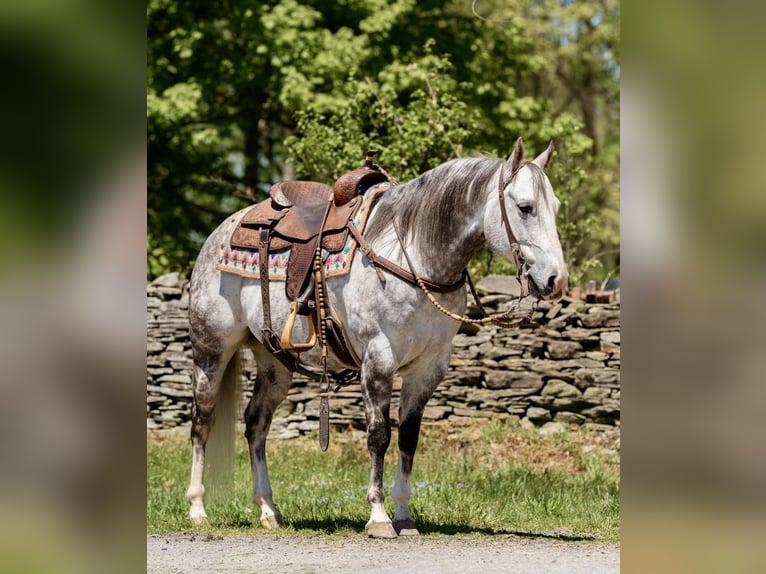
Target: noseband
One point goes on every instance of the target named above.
(518, 257)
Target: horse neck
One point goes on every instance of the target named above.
(456, 215)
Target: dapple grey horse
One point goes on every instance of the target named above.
(443, 218)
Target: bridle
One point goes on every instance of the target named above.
(522, 271)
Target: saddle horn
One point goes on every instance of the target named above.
(369, 163)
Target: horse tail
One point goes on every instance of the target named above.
(220, 446)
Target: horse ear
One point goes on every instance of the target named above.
(516, 157)
(544, 159)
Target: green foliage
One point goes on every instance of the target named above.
(241, 94)
(408, 111)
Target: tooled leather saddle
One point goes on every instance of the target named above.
(297, 217)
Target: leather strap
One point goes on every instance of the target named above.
(336, 338)
(340, 378)
(518, 257)
(269, 337)
(395, 269)
(321, 311)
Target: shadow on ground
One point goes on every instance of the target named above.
(426, 527)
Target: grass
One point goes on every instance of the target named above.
(478, 479)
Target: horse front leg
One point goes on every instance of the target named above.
(377, 379)
(417, 388)
(272, 382)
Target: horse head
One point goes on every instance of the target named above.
(529, 210)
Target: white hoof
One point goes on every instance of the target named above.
(272, 521)
(198, 516)
(380, 530)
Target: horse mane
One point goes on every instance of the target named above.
(424, 209)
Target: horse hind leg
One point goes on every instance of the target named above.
(214, 379)
(272, 383)
(417, 388)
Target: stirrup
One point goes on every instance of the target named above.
(287, 333)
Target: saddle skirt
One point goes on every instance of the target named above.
(298, 221)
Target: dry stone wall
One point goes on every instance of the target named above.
(565, 369)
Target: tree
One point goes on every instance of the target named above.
(244, 93)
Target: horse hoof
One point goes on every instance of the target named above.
(380, 530)
(406, 527)
(198, 518)
(272, 522)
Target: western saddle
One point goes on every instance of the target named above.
(304, 217)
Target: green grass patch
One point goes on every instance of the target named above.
(485, 478)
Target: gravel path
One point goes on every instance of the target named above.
(203, 554)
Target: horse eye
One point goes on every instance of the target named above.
(525, 209)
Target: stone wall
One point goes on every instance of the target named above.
(567, 369)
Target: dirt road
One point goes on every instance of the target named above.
(266, 554)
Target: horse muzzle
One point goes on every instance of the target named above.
(554, 287)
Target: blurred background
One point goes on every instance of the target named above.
(72, 286)
(693, 231)
(227, 97)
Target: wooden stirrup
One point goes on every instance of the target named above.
(287, 334)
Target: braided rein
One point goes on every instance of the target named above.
(504, 320)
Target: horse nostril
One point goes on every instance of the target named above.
(551, 282)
